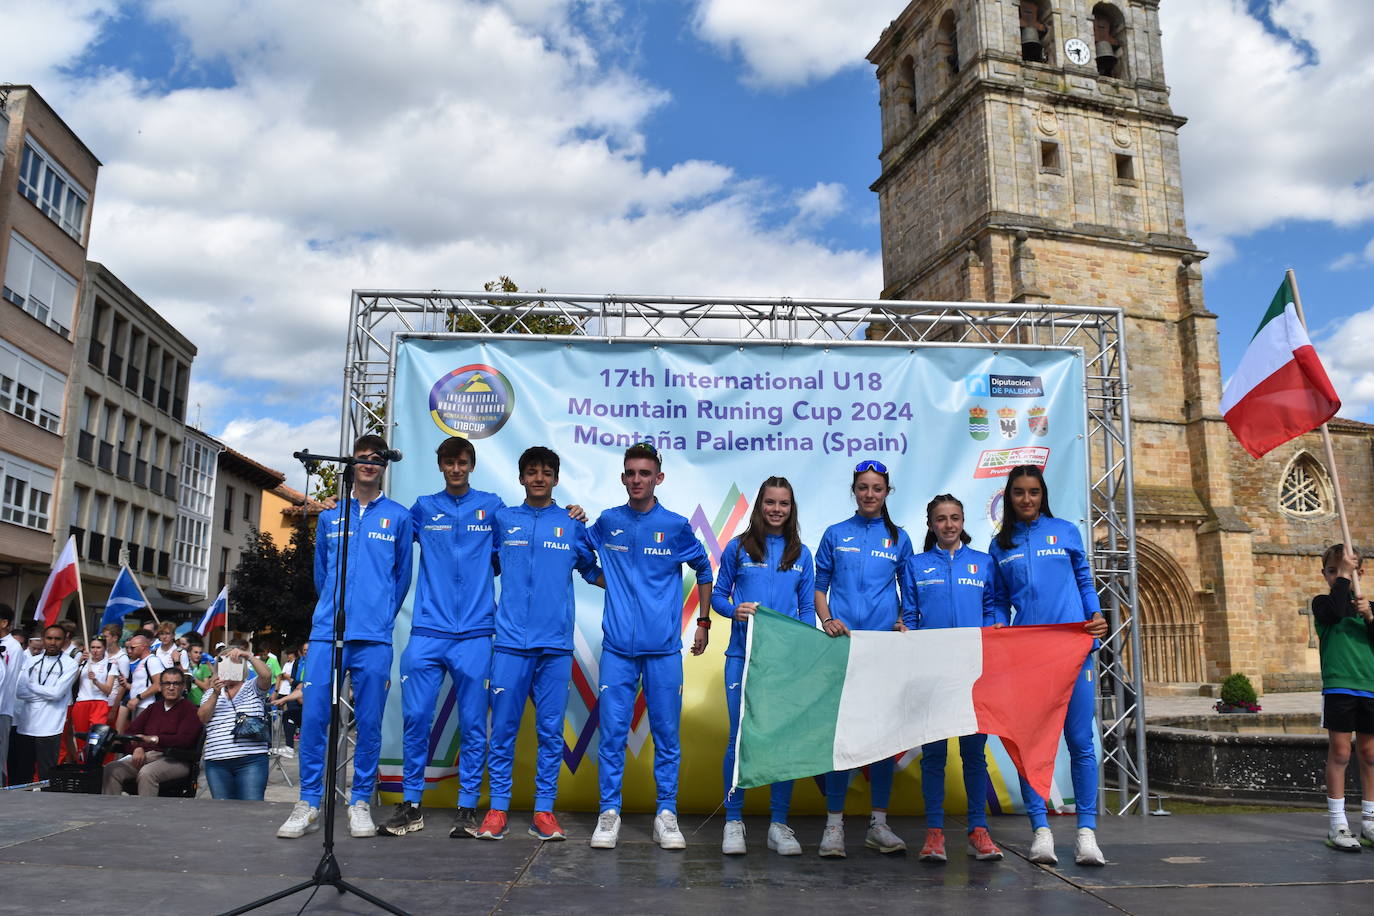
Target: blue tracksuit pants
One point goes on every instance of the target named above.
(424, 663)
(781, 792)
(515, 678)
(369, 666)
(879, 785)
(933, 757)
(1078, 735)
(620, 677)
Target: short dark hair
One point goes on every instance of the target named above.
(176, 672)
(6, 613)
(54, 626)
(68, 626)
(456, 447)
(644, 450)
(1335, 553)
(539, 455)
(369, 442)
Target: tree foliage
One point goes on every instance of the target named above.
(529, 324)
(274, 587)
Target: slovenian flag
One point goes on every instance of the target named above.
(217, 615)
(125, 596)
(1280, 390)
(63, 582)
(813, 704)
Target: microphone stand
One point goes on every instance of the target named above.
(327, 872)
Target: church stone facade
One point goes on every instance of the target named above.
(1030, 154)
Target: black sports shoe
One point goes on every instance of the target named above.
(406, 818)
(465, 823)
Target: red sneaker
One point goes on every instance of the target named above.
(545, 827)
(981, 846)
(933, 850)
(493, 826)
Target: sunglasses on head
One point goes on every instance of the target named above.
(870, 465)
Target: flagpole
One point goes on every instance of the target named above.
(1326, 433)
(142, 594)
(81, 605)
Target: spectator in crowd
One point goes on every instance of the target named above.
(111, 633)
(269, 658)
(96, 688)
(12, 657)
(70, 646)
(144, 668)
(44, 693)
(200, 670)
(166, 648)
(290, 702)
(234, 713)
(169, 724)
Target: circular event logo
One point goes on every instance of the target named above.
(994, 511)
(471, 401)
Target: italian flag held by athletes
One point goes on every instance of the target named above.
(813, 704)
(1280, 390)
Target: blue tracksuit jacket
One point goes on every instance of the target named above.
(642, 555)
(379, 549)
(1045, 575)
(939, 590)
(740, 579)
(857, 568)
(455, 597)
(539, 549)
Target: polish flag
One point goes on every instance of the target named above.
(62, 583)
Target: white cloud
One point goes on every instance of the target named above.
(791, 42)
(271, 442)
(1354, 259)
(1345, 350)
(822, 201)
(385, 144)
(58, 30)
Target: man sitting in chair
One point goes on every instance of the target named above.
(169, 724)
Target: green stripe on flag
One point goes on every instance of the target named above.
(1282, 299)
(792, 684)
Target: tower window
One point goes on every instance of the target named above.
(947, 41)
(1109, 39)
(906, 80)
(1305, 492)
(1049, 157)
(1036, 31)
(1125, 167)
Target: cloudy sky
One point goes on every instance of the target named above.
(262, 159)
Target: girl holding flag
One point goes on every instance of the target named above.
(767, 565)
(857, 567)
(951, 585)
(1042, 570)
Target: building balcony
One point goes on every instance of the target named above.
(131, 377)
(149, 388)
(155, 479)
(164, 563)
(170, 491)
(116, 367)
(125, 464)
(105, 460)
(133, 555)
(141, 472)
(85, 446)
(95, 547)
(164, 399)
(149, 564)
(112, 548)
(179, 409)
(80, 535)
(96, 354)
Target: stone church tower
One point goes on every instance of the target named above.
(1029, 154)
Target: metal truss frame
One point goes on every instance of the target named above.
(378, 318)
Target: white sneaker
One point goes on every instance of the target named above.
(1085, 850)
(360, 820)
(305, 818)
(733, 842)
(1367, 833)
(667, 834)
(881, 838)
(1042, 847)
(1342, 840)
(607, 830)
(832, 842)
(782, 840)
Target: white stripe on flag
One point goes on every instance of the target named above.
(1270, 351)
(890, 701)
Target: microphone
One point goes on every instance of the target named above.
(389, 454)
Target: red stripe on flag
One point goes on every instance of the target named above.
(1295, 399)
(61, 586)
(1022, 695)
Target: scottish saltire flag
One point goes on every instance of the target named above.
(125, 596)
(217, 615)
(813, 704)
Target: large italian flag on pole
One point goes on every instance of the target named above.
(1280, 390)
(813, 704)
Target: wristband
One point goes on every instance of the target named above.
(704, 622)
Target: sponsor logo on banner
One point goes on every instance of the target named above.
(1038, 421)
(998, 462)
(978, 423)
(976, 386)
(471, 401)
(994, 385)
(1006, 422)
(994, 510)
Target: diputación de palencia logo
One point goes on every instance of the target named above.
(472, 401)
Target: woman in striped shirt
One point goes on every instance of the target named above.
(236, 768)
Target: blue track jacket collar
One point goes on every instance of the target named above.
(539, 548)
(1045, 575)
(857, 568)
(940, 590)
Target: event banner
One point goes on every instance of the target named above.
(942, 419)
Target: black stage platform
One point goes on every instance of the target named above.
(92, 854)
